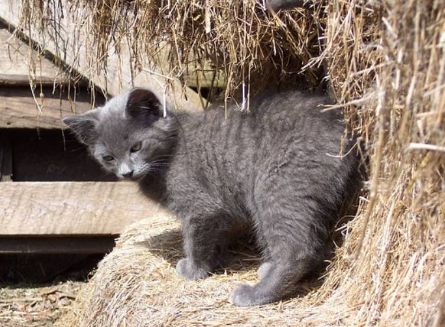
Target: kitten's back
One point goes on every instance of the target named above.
(286, 137)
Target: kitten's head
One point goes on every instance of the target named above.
(129, 135)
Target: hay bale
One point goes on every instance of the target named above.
(241, 42)
(387, 70)
(137, 285)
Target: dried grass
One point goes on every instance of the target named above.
(242, 42)
(386, 61)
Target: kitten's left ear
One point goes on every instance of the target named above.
(84, 126)
(143, 105)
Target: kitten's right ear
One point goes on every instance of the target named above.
(83, 126)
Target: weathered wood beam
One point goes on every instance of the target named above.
(16, 58)
(70, 48)
(18, 108)
(23, 80)
(72, 208)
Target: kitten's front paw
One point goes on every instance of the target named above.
(246, 295)
(190, 271)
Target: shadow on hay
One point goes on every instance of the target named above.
(242, 254)
(243, 257)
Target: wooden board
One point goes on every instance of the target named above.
(18, 108)
(15, 62)
(118, 78)
(71, 208)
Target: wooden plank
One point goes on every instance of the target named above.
(119, 76)
(18, 108)
(72, 208)
(61, 245)
(15, 60)
(22, 80)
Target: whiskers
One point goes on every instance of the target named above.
(155, 167)
(159, 165)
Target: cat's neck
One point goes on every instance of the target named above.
(153, 185)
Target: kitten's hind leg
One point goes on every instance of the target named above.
(293, 249)
(205, 244)
(264, 269)
(277, 279)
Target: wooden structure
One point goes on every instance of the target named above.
(71, 208)
(68, 217)
(119, 76)
(19, 106)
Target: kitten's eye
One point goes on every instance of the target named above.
(108, 158)
(136, 147)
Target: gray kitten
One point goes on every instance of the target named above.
(276, 170)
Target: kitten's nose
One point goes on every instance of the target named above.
(128, 175)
